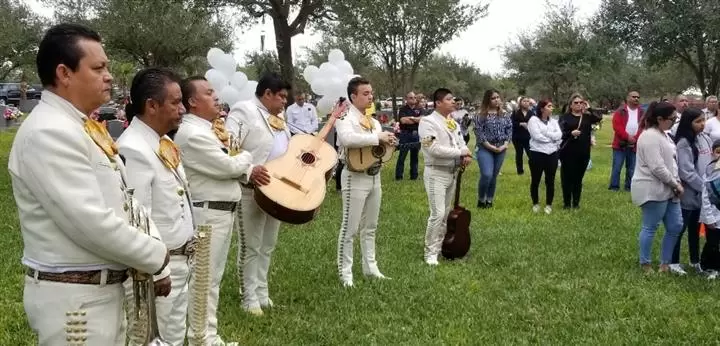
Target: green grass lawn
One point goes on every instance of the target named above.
(567, 278)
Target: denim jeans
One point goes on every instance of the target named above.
(619, 157)
(652, 213)
(407, 137)
(489, 163)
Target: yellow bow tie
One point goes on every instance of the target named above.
(451, 125)
(169, 153)
(276, 122)
(100, 135)
(366, 122)
(218, 126)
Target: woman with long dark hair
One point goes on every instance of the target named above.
(694, 152)
(576, 126)
(493, 131)
(520, 134)
(656, 187)
(545, 136)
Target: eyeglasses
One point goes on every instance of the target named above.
(578, 102)
(634, 97)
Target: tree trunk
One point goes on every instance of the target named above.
(283, 43)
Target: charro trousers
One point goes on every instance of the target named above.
(221, 222)
(361, 196)
(258, 233)
(440, 189)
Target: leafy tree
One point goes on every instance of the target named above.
(402, 34)
(666, 30)
(305, 11)
(21, 33)
(151, 33)
(464, 79)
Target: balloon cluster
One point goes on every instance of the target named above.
(231, 85)
(330, 80)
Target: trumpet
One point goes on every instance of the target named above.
(234, 147)
(144, 324)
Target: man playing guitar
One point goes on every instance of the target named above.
(361, 191)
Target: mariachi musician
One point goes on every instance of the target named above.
(444, 150)
(361, 191)
(262, 131)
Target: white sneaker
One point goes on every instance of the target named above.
(676, 268)
(697, 267)
(536, 208)
(548, 209)
(432, 261)
(712, 275)
(348, 283)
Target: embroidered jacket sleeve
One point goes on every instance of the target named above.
(349, 138)
(431, 135)
(83, 214)
(235, 123)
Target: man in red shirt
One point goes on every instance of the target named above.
(626, 125)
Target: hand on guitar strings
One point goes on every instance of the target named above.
(163, 287)
(260, 176)
(387, 138)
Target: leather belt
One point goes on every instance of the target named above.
(217, 205)
(248, 185)
(90, 277)
(187, 249)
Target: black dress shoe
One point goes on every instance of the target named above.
(481, 205)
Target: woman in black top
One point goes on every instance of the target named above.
(576, 127)
(520, 134)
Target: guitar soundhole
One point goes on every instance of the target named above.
(308, 158)
(378, 151)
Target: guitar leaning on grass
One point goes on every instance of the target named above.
(361, 159)
(299, 177)
(456, 243)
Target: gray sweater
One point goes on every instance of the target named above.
(709, 214)
(692, 174)
(656, 170)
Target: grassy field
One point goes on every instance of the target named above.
(567, 278)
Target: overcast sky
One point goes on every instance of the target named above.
(480, 44)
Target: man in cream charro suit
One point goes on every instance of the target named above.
(155, 171)
(444, 150)
(213, 171)
(262, 132)
(69, 192)
(361, 191)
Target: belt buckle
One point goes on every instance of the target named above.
(189, 247)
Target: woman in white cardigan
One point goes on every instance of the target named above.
(656, 185)
(545, 137)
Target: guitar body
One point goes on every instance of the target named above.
(360, 159)
(299, 177)
(457, 238)
(297, 180)
(456, 243)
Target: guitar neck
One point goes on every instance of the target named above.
(458, 183)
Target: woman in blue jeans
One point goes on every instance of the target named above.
(493, 130)
(656, 185)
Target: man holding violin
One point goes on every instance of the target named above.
(444, 150)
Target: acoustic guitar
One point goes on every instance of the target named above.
(360, 159)
(456, 243)
(298, 178)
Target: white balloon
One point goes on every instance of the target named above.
(319, 86)
(248, 92)
(344, 66)
(310, 73)
(228, 65)
(229, 95)
(336, 55)
(327, 70)
(324, 105)
(239, 80)
(214, 57)
(216, 79)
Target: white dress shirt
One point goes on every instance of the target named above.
(70, 197)
(350, 134)
(302, 118)
(440, 145)
(712, 128)
(163, 192)
(213, 175)
(545, 137)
